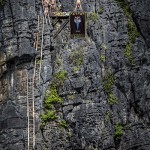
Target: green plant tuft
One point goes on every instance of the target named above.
(132, 29)
(118, 131)
(59, 78)
(128, 52)
(107, 116)
(103, 58)
(104, 47)
(76, 58)
(58, 61)
(93, 16)
(52, 97)
(63, 124)
(76, 68)
(112, 99)
(108, 82)
(48, 116)
(69, 134)
(124, 5)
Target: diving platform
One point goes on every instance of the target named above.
(60, 15)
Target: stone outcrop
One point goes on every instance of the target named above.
(103, 80)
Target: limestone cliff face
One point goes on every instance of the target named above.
(103, 80)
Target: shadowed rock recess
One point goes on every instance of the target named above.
(93, 93)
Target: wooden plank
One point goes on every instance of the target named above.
(59, 14)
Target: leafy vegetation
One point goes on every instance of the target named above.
(107, 116)
(104, 47)
(76, 58)
(69, 134)
(112, 99)
(48, 116)
(103, 58)
(38, 61)
(59, 78)
(132, 29)
(93, 16)
(118, 131)
(76, 68)
(63, 124)
(52, 98)
(128, 52)
(124, 5)
(108, 83)
(58, 61)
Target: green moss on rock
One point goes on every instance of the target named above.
(132, 29)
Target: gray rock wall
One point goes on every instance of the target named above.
(106, 91)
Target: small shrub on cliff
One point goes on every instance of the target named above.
(108, 82)
(118, 131)
(103, 58)
(63, 124)
(48, 116)
(107, 116)
(132, 29)
(112, 99)
(124, 5)
(104, 47)
(59, 78)
(93, 16)
(128, 52)
(52, 97)
(76, 58)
